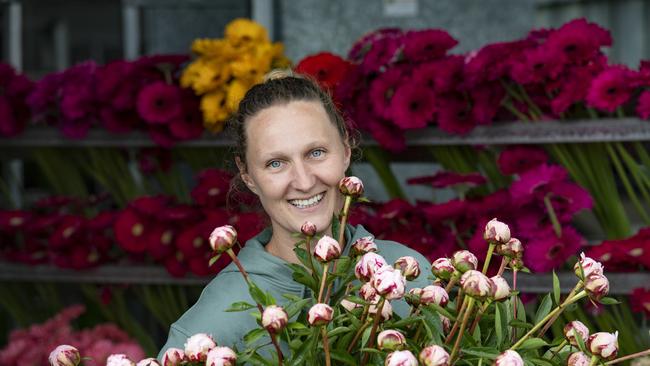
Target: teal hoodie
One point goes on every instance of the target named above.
(271, 274)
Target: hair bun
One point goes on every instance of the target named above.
(280, 74)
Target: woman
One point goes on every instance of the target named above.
(293, 148)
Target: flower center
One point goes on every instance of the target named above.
(213, 191)
(137, 229)
(197, 242)
(16, 221)
(68, 232)
(166, 237)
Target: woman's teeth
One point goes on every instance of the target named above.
(308, 202)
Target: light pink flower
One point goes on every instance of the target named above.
(475, 284)
(223, 238)
(64, 355)
(603, 344)
(464, 260)
(148, 362)
(401, 358)
(320, 314)
(386, 309)
(274, 318)
(390, 340)
(221, 356)
(589, 267)
(596, 286)
(574, 328)
(367, 292)
(509, 358)
(327, 249)
(578, 359)
(119, 360)
(349, 305)
(442, 268)
(173, 357)
(351, 186)
(513, 248)
(198, 346)
(367, 265)
(434, 295)
(363, 245)
(434, 356)
(496, 232)
(308, 228)
(389, 282)
(409, 267)
(499, 288)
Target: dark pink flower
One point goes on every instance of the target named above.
(640, 301)
(131, 229)
(364, 44)
(427, 44)
(413, 105)
(443, 75)
(487, 99)
(212, 188)
(450, 210)
(382, 53)
(643, 106)
(455, 116)
(535, 182)
(189, 123)
(611, 88)
(159, 102)
(537, 64)
(153, 160)
(176, 264)
(567, 198)
(327, 68)
(118, 121)
(382, 90)
(14, 112)
(387, 135)
(492, 62)
(545, 251)
(579, 40)
(150, 206)
(69, 230)
(610, 255)
(518, 159)
(444, 179)
(571, 88)
(160, 241)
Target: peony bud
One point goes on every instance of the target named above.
(64, 355)
(464, 260)
(389, 282)
(367, 265)
(517, 264)
(596, 286)
(221, 356)
(434, 356)
(413, 297)
(391, 340)
(327, 249)
(603, 344)
(363, 245)
(434, 295)
(386, 310)
(198, 346)
(573, 328)
(446, 324)
(349, 305)
(308, 229)
(223, 238)
(475, 284)
(401, 358)
(496, 232)
(274, 318)
(509, 358)
(367, 292)
(173, 357)
(578, 359)
(589, 267)
(119, 360)
(351, 186)
(148, 362)
(499, 288)
(320, 314)
(409, 267)
(513, 248)
(443, 268)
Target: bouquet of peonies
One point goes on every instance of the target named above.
(462, 317)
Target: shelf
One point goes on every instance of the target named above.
(579, 131)
(620, 283)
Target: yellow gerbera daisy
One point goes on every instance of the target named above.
(213, 106)
(242, 32)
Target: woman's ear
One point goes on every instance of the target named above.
(347, 155)
(243, 173)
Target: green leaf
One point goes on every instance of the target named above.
(609, 301)
(483, 352)
(254, 335)
(581, 343)
(432, 321)
(544, 308)
(214, 259)
(335, 228)
(556, 288)
(541, 362)
(257, 294)
(477, 334)
(296, 326)
(442, 312)
(294, 308)
(342, 356)
(240, 306)
(337, 331)
(301, 356)
(499, 322)
(533, 343)
(302, 276)
(519, 324)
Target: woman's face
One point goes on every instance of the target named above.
(295, 159)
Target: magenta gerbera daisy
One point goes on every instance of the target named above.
(611, 88)
(159, 102)
(546, 251)
(518, 159)
(382, 90)
(643, 106)
(413, 105)
(427, 44)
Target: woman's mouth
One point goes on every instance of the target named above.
(309, 202)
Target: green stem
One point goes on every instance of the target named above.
(373, 330)
(326, 346)
(626, 183)
(594, 360)
(629, 357)
(570, 295)
(552, 215)
(488, 257)
(461, 331)
(323, 280)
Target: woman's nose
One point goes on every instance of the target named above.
(303, 177)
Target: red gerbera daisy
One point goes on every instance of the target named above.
(131, 230)
(327, 68)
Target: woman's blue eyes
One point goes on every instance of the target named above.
(317, 153)
(275, 164)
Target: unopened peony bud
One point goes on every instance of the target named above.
(64, 355)
(327, 249)
(409, 266)
(443, 268)
(119, 360)
(363, 245)
(274, 318)
(578, 359)
(386, 310)
(597, 286)
(223, 238)
(499, 288)
(516, 264)
(446, 324)
(367, 292)
(574, 328)
(464, 260)
(589, 267)
(349, 305)
(603, 344)
(198, 346)
(351, 186)
(148, 362)
(173, 357)
(509, 358)
(433, 294)
(513, 248)
(475, 284)
(308, 229)
(391, 340)
(413, 297)
(496, 232)
(401, 358)
(320, 314)
(434, 356)
(221, 356)
(367, 265)
(389, 283)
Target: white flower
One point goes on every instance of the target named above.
(148, 362)
(464, 260)
(320, 314)
(509, 358)
(274, 318)
(603, 344)
(496, 232)
(573, 328)
(64, 355)
(223, 238)
(409, 267)
(221, 356)
(119, 360)
(443, 268)
(327, 249)
(198, 346)
(499, 288)
(475, 284)
(434, 356)
(367, 265)
(389, 283)
(173, 357)
(578, 359)
(401, 358)
(589, 267)
(433, 294)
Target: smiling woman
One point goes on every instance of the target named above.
(293, 148)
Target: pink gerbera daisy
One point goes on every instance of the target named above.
(159, 102)
(611, 88)
(413, 105)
